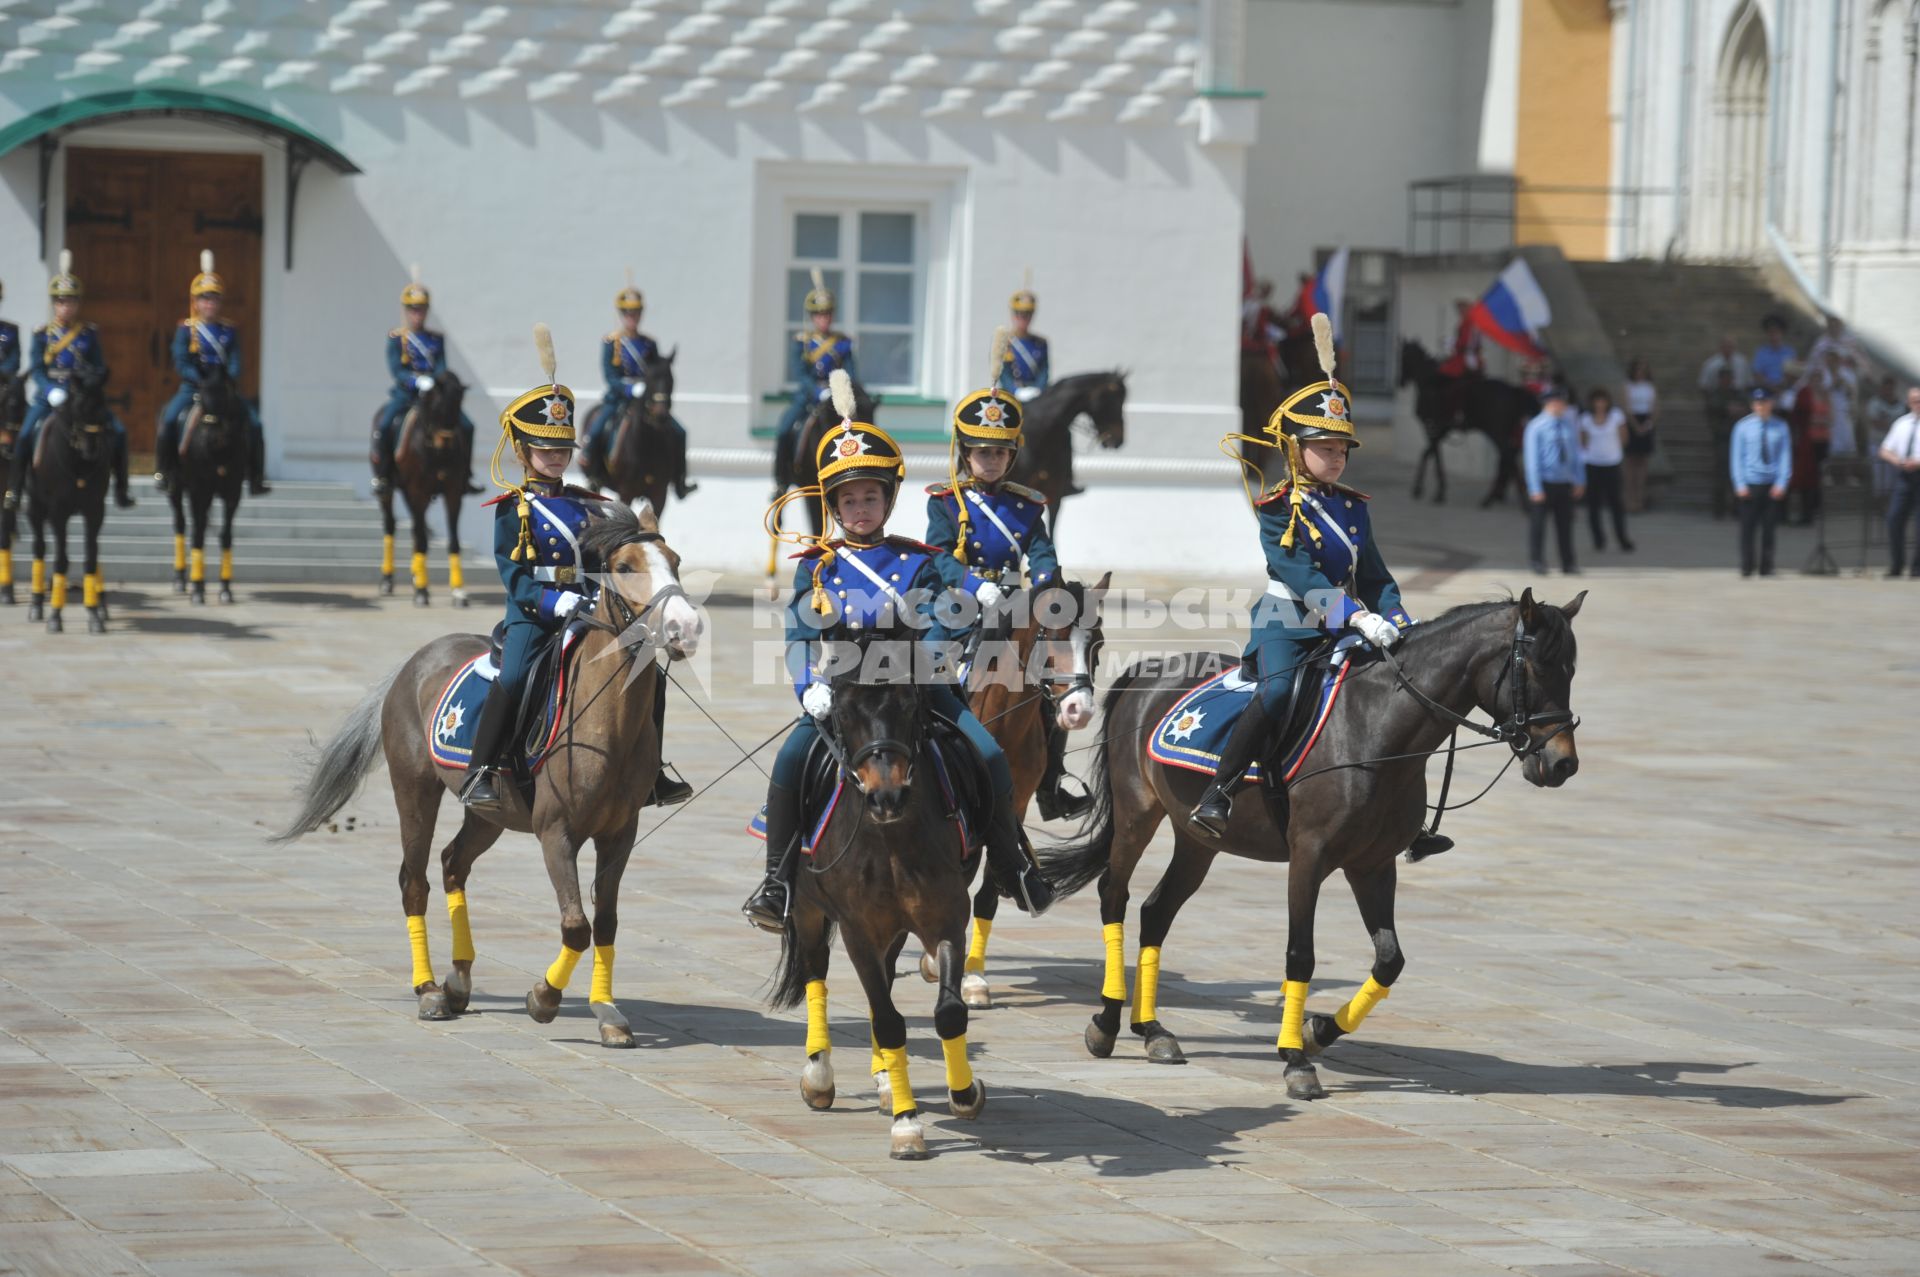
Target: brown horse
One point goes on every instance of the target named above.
(605, 759)
(824, 417)
(1361, 801)
(431, 458)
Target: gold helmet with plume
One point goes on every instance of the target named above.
(629, 298)
(820, 299)
(206, 283)
(415, 293)
(1024, 302)
(66, 283)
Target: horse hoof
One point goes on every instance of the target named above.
(543, 1002)
(226, 595)
(1099, 1041)
(975, 993)
(460, 598)
(816, 1081)
(96, 624)
(616, 1037)
(929, 968)
(909, 1141)
(969, 1102)
(1303, 1083)
(54, 624)
(1318, 1033)
(6, 596)
(198, 596)
(180, 584)
(386, 585)
(433, 1005)
(420, 599)
(1164, 1048)
(458, 986)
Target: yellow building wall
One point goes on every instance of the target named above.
(1563, 135)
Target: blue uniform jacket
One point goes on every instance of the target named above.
(1006, 527)
(1552, 452)
(9, 349)
(866, 584)
(557, 516)
(1760, 454)
(199, 347)
(1342, 573)
(623, 359)
(812, 360)
(1025, 364)
(411, 354)
(58, 352)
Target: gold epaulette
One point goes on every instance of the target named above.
(398, 332)
(1022, 490)
(943, 489)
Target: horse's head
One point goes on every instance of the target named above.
(640, 581)
(1067, 642)
(1533, 692)
(1106, 405)
(658, 374)
(1415, 363)
(878, 716)
(440, 402)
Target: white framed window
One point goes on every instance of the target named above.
(874, 258)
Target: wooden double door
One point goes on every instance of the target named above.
(136, 222)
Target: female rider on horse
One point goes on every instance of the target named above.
(990, 528)
(1325, 574)
(860, 580)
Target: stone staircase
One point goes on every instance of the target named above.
(1673, 316)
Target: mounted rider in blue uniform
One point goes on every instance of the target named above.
(624, 355)
(863, 580)
(9, 350)
(818, 350)
(203, 346)
(536, 543)
(416, 355)
(64, 349)
(1325, 575)
(991, 529)
(1024, 372)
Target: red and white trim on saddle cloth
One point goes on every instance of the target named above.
(480, 669)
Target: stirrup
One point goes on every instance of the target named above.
(381, 485)
(1030, 890)
(480, 792)
(1215, 808)
(1061, 803)
(668, 789)
(1427, 843)
(767, 907)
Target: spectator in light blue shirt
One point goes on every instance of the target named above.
(1760, 463)
(1556, 478)
(1771, 357)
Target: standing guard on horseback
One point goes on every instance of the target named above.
(204, 348)
(537, 530)
(862, 580)
(991, 528)
(1325, 575)
(416, 355)
(1023, 370)
(624, 355)
(9, 347)
(818, 350)
(65, 349)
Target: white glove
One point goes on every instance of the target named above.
(423, 383)
(56, 396)
(567, 604)
(1027, 394)
(817, 700)
(825, 394)
(636, 389)
(989, 594)
(1375, 629)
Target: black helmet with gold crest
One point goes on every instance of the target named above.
(989, 418)
(540, 418)
(856, 449)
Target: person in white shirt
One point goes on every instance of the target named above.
(1729, 358)
(1842, 387)
(1642, 402)
(1603, 442)
(1901, 451)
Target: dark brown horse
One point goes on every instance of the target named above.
(1045, 462)
(13, 407)
(888, 865)
(1261, 391)
(1359, 803)
(1497, 409)
(67, 476)
(604, 762)
(645, 457)
(431, 458)
(215, 441)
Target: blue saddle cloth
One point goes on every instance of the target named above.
(456, 714)
(1193, 734)
(820, 806)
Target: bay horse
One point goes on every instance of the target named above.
(431, 458)
(13, 408)
(215, 443)
(603, 763)
(1045, 462)
(67, 476)
(644, 458)
(1359, 803)
(1043, 667)
(887, 865)
(1497, 409)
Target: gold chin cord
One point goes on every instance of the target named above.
(1288, 447)
(821, 601)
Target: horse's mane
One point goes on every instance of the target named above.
(615, 526)
(1553, 633)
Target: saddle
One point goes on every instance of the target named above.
(536, 720)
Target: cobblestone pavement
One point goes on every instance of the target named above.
(1659, 1021)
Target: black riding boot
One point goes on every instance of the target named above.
(1057, 802)
(1014, 873)
(16, 478)
(1426, 843)
(480, 790)
(668, 789)
(257, 485)
(382, 463)
(767, 907)
(121, 497)
(1243, 747)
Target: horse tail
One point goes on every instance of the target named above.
(341, 765)
(790, 981)
(1069, 866)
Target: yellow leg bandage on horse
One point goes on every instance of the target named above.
(1292, 1013)
(179, 552)
(456, 579)
(59, 598)
(817, 1038)
(1146, 989)
(6, 567)
(462, 931)
(977, 951)
(602, 988)
(90, 590)
(196, 565)
(1115, 987)
(226, 565)
(1359, 1005)
(422, 960)
(896, 1059)
(39, 576)
(386, 556)
(562, 969)
(419, 571)
(959, 1072)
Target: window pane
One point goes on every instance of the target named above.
(886, 359)
(886, 239)
(816, 235)
(886, 297)
(799, 283)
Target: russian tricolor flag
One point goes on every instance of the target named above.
(1329, 292)
(1514, 310)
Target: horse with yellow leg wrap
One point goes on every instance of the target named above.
(1359, 802)
(432, 459)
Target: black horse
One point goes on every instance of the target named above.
(646, 456)
(432, 457)
(1359, 803)
(888, 865)
(1497, 409)
(68, 475)
(804, 465)
(13, 409)
(1046, 457)
(215, 447)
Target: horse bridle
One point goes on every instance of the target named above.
(1516, 729)
(625, 617)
